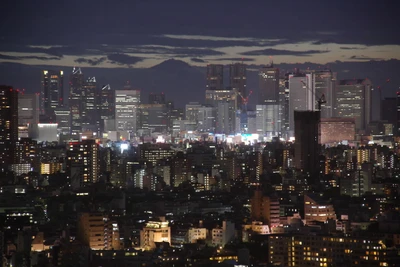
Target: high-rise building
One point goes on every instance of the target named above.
(157, 98)
(224, 101)
(127, 110)
(324, 85)
(106, 108)
(301, 95)
(76, 82)
(307, 140)
(8, 124)
(27, 152)
(28, 109)
(52, 91)
(89, 114)
(83, 162)
(268, 85)
(28, 113)
(206, 119)
(215, 77)
(353, 100)
(153, 117)
(63, 119)
(267, 120)
(192, 111)
(238, 79)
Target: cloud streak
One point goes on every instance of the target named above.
(281, 52)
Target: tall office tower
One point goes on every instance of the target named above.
(268, 85)
(224, 101)
(27, 152)
(153, 117)
(206, 119)
(353, 100)
(237, 77)
(301, 95)
(76, 81)
(83, 162)
(307, 141)
(157, 98)
(324, 85)
(126, 110)
(8, 125)
(397, 126)
(284, 104)
(267, 120)
(63, 119)
(28, 113)
(106, 108)
(215, 77)
(192, 111)
(90, 117)
(52, 91)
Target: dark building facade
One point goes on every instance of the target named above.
(238, 79)
(307, 140)
(52, 91)
(268, 85)
(8, 124)
(215, 77)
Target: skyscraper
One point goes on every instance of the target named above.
(237, 77)
(52, 91)
(307, 140)
(28, 115)
(106, 108)
(28, 109)
(127, 110)
(353, 100)
(301, 95)
(324, 84)
(215, 77)
(8, 124)
(83, 162)
(224, 101)
(76, 81)
(268, 85)
(89, 115)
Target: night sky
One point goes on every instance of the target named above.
(142, 34)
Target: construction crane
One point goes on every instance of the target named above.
(321, 100)
(245, 100)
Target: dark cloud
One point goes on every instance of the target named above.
(282, 52)
(198, 60)
(236, 59)
(6, 57)
(123, 59)
(92, 62)
(350, 48)
(362, 57)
